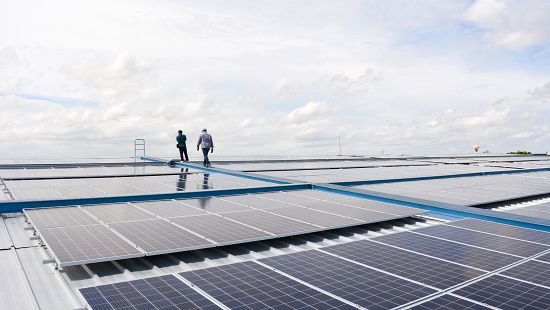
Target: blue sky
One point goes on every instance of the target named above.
(285, 77)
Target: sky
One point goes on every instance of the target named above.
(274, 78)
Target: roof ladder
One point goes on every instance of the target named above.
(139, 147)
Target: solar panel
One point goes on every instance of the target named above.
(220, 230)
(325, 220)
(449, 302)
(255, 201)
(504, 230)
(506, 293)
(361, 285)
(532, 271)
(487, 241)
(168, 208)
(360, 214)
(448, 250)
(213, 205)
(541, 207)
(165, 292)
(272, 223)
(290, 198)
(59, 217)
(159, 236)
(532, 213)
(427, 270)
(251, 286)
(119, 212)
(77, 245)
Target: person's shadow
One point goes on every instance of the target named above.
(182, 180)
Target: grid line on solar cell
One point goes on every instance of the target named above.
(159, 236)
(483, 240)
(254, 201)
(165, 292)
(251, 286)
(506, 293)
(120, 212)
(78, 245)
(219, 229)
(275, 224)
(531, 271)
(504, 230)
(168, 208)
(449, 302)
(358, 284)
(417, 267)
(359, 214)
(59, 217)
(213, 205)
(450, 251)
(544, 258)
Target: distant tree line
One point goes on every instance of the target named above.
(520, 152)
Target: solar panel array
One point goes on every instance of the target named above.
(468, 190)
(159, 227)
(375, 273)
(76, 171)
(541, 210)
(124, 186)
(381, 173)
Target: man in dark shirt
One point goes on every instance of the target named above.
(181, 138)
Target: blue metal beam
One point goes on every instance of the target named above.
(11, 206)
(257, 177)
(447, 209)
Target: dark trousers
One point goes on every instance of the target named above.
(205, 161)
(183, 150)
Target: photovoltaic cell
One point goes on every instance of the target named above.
(487, 241)
(360, 214)
(255, 202)
(361, 285)
(251, 286)
(165, 292)
(504, 230)
(213, 205)
(220, 229)
(506, 293)
(59, 217)
(168, 208)
(427, 270)
(315, 217)
(544, 258)
(532, 271)
(77, 245)
(449, 302)
(159, 236)
(119, 212)
(275, 224)
(448, 250)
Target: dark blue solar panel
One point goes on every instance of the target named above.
(448, 250)
(361, 285)
(449, 302)
(504, 230)
(251, 286)
(506, 293)
(166, 292)
(544, 258)
(427, 270)
(492, 242)
(532, 271)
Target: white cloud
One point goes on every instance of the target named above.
(512, 24)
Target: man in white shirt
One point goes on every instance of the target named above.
(207, 145)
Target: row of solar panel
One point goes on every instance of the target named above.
(374, 274)
(469, 190)
(539, 211)
(383, 173)
(105, 187)
(52, 172)
(85, 234)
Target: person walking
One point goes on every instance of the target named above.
(207, 145)
(182, 147)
